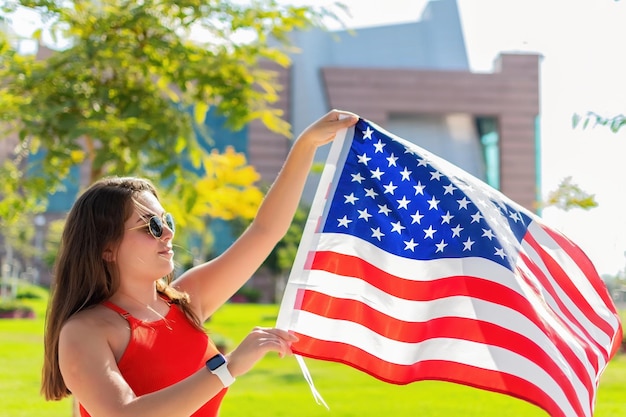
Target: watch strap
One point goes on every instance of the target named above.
(224, 375)
(221, 371)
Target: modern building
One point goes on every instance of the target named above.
(414, 80)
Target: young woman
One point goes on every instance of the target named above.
(127, 342)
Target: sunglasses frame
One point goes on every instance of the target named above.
(160, 222)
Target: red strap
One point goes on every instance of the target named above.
(125, 313)
(119, 310)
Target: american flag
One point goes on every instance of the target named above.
(411, 269)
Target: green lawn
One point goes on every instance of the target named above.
(276, 387)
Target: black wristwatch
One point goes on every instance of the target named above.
(218, 366)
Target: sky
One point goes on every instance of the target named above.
(583, 68)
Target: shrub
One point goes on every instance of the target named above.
(246, 295)
(15, 309)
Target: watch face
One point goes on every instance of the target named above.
(215, 362)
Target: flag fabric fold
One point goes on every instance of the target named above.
(411, 269)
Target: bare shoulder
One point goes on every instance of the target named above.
(92, 321)
(93, 333)
(87, 358)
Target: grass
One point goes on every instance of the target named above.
(21, 359)
(276, 387)
(279, 385)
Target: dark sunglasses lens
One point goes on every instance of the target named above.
(156, 226)
(170, 222)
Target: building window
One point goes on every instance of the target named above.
(490, 139)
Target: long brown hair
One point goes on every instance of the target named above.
(82, 279)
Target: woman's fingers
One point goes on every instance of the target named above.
(276, 340)
(259, 342)
(283, 334)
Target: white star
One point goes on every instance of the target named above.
(417, 217)
(515, 216)
(357, 177)
(405, 174)
(505, 242)
(467, 245)
(384, 209)
(446, 218)
(410, 245)
(449, 189)
(369, 192)
(488, 234)
(500, 253)
(495, 217)
(397, 227)
(390, 188)
(476, 217)
(392, 160)
(367, 134)
(463, 203)
(344, 222)
(482, 203)
(363, 159)
(419, 188)
(379, 146)
(440, 246)
(350, 198)
(404, 203)
(377, 173)
(436, 175)
(377, 233)
(456, 231)
(433, 203)
(422, 162)
(430, 232)
(363, 214)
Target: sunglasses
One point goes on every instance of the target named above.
(155, 225)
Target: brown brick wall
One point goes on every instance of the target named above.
(267, 150)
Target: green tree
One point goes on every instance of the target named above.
(280, 261)
(130, 91)
(569, 195)
(614, 123)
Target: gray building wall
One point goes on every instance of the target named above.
(434, 42)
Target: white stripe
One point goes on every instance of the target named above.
(575, 274)
(572, 328)
(434, 269)
(399, 266)
(596, 333)
(445, 349)
(309, 237)
(455, 306)
(430, 270)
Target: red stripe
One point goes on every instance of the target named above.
(584, 263)
(431, 370)
(570, 289)
(443, 327)
(493, 292)
(583, 342)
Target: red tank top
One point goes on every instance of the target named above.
(164, 352)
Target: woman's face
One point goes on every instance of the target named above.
(140, 254)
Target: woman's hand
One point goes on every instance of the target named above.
(325, 128)
(259, 342)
